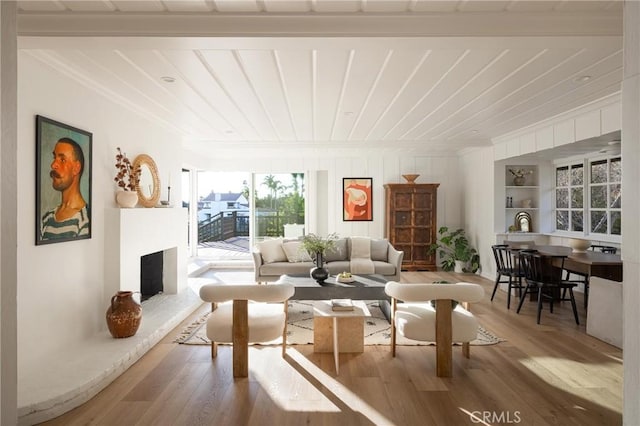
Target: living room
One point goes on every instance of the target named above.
(61, 301)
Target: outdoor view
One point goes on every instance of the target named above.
(229, 214)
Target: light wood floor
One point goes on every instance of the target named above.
(552, 373)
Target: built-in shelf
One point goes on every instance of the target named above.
(516, 195)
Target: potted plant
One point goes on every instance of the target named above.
(127, 178)
(455, 251)
(520, 175)
(317, 247)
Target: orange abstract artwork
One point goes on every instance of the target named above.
(357, 203)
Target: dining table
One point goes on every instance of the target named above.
(588, 263)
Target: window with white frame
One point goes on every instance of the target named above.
(588, 196)
(570, 198)
(605, 196)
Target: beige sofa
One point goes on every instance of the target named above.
(276, 257)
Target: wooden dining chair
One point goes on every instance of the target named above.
(507, 266)
(543, 277)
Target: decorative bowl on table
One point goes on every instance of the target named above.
(345, 277)
(579, 245)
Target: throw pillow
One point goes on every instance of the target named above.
(295, 252)
(339, 252)
(379, 249)
(272, 251)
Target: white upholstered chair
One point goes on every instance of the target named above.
(243, 322)
(416, 319)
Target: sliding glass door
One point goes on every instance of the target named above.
(279, 201)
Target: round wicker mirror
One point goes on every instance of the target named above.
(149, 185)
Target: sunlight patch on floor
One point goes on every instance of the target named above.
(325, 392)
(592, 382)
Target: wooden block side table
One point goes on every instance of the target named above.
(338, 331)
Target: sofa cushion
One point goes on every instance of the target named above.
(379, 249)
(384, 268)
(282, 268)
(338, 266)
(339, 252)
(272, 251)
(295, 252)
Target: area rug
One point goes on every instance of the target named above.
(377, 330)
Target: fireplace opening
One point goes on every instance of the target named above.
(151, 266)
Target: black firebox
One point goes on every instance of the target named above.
(151, 267)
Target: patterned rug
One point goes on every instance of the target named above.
(377, 330)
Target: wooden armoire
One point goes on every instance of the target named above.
(411, 221)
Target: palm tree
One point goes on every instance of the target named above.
(273, 184)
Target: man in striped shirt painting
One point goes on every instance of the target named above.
(70, 219)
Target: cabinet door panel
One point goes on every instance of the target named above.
(423, 201)
(422, 218)
(403, 236)
(422, 236)
(402, 218)
(403, 201)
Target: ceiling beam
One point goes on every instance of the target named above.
(321, 25)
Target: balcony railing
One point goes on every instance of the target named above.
(225, 225)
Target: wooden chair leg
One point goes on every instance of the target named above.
(465, 350)
(214, 345)
(444, 351)
(284, 332)
(393, 326)
(240, 338)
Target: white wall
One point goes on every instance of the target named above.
(383, 169)
(477, 173)
(61, 294)
(630, 208)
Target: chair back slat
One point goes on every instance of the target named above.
(539, 269)
(499, 252)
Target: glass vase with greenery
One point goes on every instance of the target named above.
(318, 246)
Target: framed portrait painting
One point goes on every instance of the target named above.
(357, 204)
(63, 182)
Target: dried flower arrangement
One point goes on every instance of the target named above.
(520, 173)
(127, 177)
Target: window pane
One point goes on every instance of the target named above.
(599, 171)
(562, 220)
(599, 197)
(615, 170)
(599, 222)
(577, 175)
(562, 176)
(562, 198)
(615, 196)
(616, 223)
(576, 221)
(577, 198)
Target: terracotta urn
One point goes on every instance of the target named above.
(127, 199)
(124, 315)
